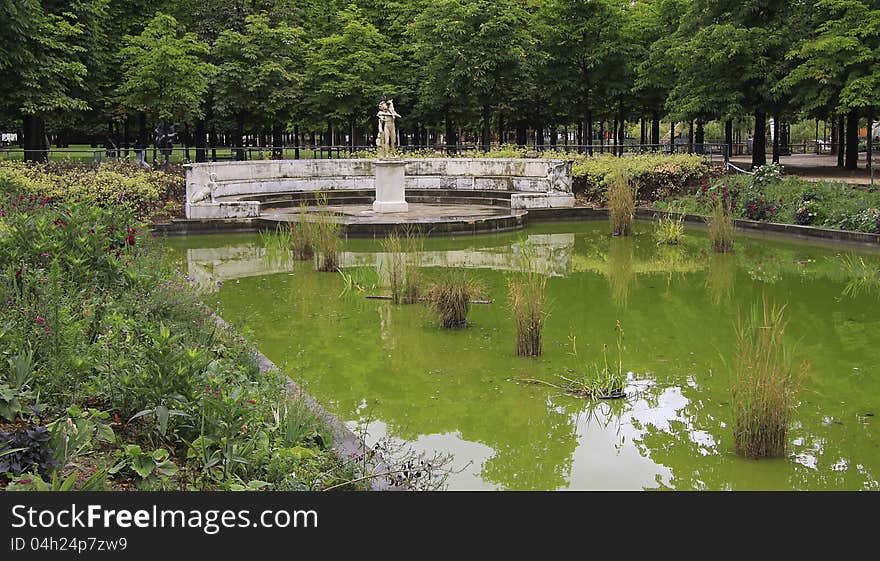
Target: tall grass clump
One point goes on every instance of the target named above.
(450, 298)
(621, 202)
(327, 242)
(720, 224)
(764, 384)
(863, 277)
(302, 236)
(405, 278)
(669, 230)
(527, 293)
(277, 243)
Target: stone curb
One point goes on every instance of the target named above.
(183, 226)
(345, 442)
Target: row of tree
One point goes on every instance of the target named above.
(500, 68)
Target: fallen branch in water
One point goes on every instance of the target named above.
(381, 297)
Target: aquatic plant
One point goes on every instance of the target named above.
(302, 236)
(621, 202)
(405, 279)
(621, 270)
(863, 277)
(527, 293)
(764, 383)
(325, 237)
(276, 242)
(720, 223)
(327, 242)
(669, 229)
(602, 381)
(450, 297)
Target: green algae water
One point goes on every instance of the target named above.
(393, 371)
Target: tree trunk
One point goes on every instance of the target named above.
(35, 147)
(655, 128)
(212, 140)
(296, 141)
(501, 138)
(691, 137)
(201, 145)
(238, 138)
(776, 122)
(588, 117)
(277, 141)
(554, 133)
(622, 135)
(539, 137)
(522, 134)
(700, 137)
(841, 140)
(671, 137)
(125, 133)
(579, 138)
(852, 139)
(486, 132)
(602, 136)
(451, 141)
(759, 143)
(728, 137)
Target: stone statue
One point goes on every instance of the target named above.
(386, 138)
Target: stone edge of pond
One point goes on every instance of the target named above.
(345, 442)
(181, 226)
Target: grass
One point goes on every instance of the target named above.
(863, 277)
(719, 279)
(527, 293)
(720, 223)
(327, 243)
(405, 278)
(600, 381)
(302, 236)
(669, 230)
(764, 384)
(450, 298)
(621, 202)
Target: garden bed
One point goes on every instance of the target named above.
(115, 376)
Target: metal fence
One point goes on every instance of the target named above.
(714, 152)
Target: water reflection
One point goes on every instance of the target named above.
(449, 391)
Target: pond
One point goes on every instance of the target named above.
(392, 371)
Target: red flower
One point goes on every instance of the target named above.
(40, 320)
(24, 481)
(130, 239)
(252, 401)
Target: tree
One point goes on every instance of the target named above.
(349, 70)
(164, 74)
(838, 66)
(261, 74)
(48, 64)
(471, 52)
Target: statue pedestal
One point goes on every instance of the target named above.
(390, 195)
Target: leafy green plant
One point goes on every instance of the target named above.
(35, 482)
(152, 467)
(405, 279)
(669, 229)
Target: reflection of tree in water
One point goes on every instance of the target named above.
(694, 440)
(620, 269)
(719, 280)
(538, 452)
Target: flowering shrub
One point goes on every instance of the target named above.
(718, 193)
(811, 211)
(766, 174)
(757, 207)
(146, 193)
(655, 175)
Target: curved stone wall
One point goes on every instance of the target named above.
(214, 190)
